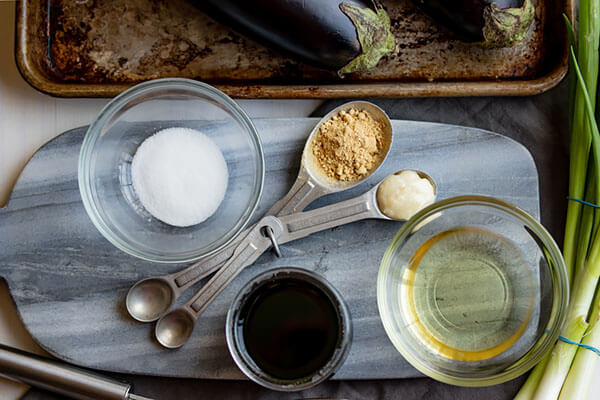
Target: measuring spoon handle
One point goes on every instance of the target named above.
(303, 192)
(206, 266)
(299, 225)
(248, 250)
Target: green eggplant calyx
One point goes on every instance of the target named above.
(506, 27)
(375, 36)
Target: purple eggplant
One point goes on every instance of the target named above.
(493, 23)
(346, 36)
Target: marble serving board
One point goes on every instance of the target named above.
(69, 283)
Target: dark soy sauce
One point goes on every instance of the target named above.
(290, 328)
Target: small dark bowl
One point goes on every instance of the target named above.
(235, 330)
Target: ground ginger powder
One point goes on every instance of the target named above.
(349, 145)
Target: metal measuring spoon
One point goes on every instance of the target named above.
(175, 328)
(150, 298)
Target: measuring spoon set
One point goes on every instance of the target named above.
(150, 299)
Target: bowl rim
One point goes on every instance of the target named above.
(244, 361)
(86, 157)
(560, 288)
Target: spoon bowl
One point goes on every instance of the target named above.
(424, 176)
(373, 192)
(310, 165)
(175, 328)
(150, 298)
(312, 183)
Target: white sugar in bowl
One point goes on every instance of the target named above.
(159, 220)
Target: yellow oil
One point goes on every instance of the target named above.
(468, 294)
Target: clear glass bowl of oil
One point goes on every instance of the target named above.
(472, 291)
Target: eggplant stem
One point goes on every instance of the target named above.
(506, 27)
(374, 32)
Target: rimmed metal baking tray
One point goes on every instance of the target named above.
(100, 48)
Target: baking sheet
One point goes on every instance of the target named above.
(99, 48)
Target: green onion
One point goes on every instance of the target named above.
(582, 370)
(587, 56)
(563, 354)
(587, 223)
(531, 384)
(567, 370)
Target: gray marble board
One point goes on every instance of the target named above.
(69, 283)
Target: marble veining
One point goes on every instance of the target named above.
(69, 283)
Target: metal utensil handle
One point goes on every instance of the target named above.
(303, 192)
(206, 266)
(302, 224)
(249, 249)
(59, 378)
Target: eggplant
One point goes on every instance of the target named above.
(492, 23)
(342, 35)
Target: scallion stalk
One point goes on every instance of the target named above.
(533, 380)
(587, 223)
(562, 356)
(582, 370)
(566, 371)
(587, 56)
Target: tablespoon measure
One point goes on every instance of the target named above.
(150, 298)
(175, 328)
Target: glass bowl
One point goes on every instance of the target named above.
(472, 291)
(112, 140)
(246, 299)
